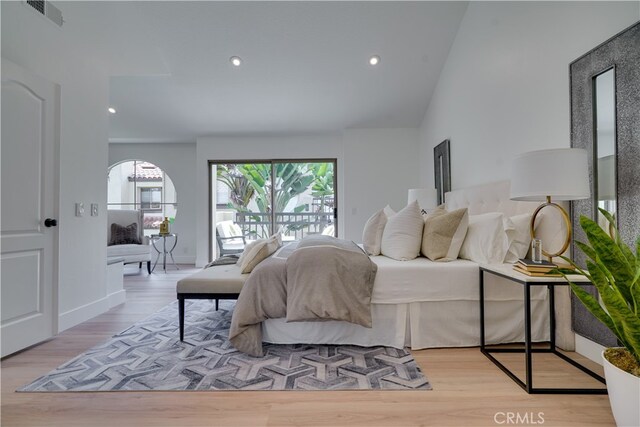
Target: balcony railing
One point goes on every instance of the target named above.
(296, 225)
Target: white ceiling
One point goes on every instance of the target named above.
(304, 68)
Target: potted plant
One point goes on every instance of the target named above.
(615, 272)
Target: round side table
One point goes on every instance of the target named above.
(155, 238)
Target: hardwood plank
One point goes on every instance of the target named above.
(468, 389)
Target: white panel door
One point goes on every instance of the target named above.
(28, 231)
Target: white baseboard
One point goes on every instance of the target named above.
(589, 349)
(184, 259)
(117, 298)
(80, 314)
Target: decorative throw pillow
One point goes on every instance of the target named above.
(444, 233)
(518, 232)
(121, 235)
(247, 248)
(388, 211)
(372, 233)
(258, 253)
(403, 233)
(486, 241)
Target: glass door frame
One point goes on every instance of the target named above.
(273, 162)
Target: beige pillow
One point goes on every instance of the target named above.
(444, 233)
(372, 233)
(258, 253)
(403, 233)
(486, 241)
(247, 249)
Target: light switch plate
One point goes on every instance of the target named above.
(79, 209)
(94, 209)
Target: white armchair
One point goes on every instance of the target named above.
(230, 238)
(130, 253)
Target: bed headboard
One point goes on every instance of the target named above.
(492, 197)
(495, 197)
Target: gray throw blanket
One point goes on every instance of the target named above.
(319, 278)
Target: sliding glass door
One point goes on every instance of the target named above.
(252, 200)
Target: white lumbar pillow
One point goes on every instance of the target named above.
(486, 241)
(518, 232)
(372, 233)
(402, 234)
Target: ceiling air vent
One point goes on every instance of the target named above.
(47, 10)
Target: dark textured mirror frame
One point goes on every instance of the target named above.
(621, 52)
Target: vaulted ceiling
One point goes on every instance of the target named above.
(304, 64)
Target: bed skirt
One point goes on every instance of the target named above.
(420, 325)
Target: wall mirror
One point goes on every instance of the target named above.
(604, 144)
(605, 120)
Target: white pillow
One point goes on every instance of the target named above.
(519, 236)
(388, 211)
(258, 253)
(372, 233)
(486, 241)
(402, 235)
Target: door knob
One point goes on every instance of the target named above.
(50, 222)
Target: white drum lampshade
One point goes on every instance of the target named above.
(427, 198)
(561, 174)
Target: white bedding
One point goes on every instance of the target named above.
(421, 280)
(424, 304)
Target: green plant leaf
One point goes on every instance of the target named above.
(300, 208)
(587, 250)
(593, 306)
(609, 253)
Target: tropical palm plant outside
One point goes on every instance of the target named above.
(252, 182)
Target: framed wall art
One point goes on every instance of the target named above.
(442, 169)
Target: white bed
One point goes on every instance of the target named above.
(425, 304)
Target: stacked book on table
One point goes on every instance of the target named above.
(536, 269)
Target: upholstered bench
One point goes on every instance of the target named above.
(217, 282)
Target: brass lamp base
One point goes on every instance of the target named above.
(567, 221)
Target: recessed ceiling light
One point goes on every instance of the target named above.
(112, 110)
(236, 61)
(374, 60)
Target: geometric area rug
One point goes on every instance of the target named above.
(149, 356)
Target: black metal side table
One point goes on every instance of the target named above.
(164, 251)
(527, 282)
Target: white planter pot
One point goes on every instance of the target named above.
(624, 394)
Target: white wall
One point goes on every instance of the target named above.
(178, 161)
(375, 167)
(504, 88)
(380, 167)
(41, 47)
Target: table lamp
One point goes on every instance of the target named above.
(560, 174)
(427, 198)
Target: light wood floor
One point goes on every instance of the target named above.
(468, 389)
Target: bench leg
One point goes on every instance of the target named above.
(148, 267)
(217, 304)
(181, 316)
